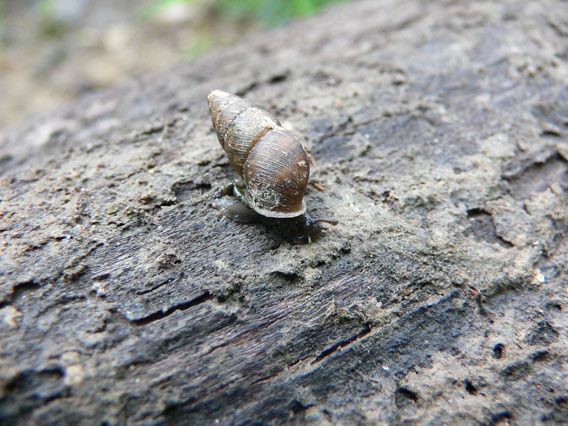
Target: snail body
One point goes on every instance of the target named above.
(273, 164)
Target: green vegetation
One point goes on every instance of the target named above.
(157, 6)
(243, 13)
(268, 13)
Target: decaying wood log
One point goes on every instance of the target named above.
(440, 130)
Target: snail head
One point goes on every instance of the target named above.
(304, 229)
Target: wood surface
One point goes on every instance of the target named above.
(440, 132)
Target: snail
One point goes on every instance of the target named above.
(273, 164)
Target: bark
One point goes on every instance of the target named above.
(440, 130)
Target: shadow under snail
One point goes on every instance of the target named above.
(273, 164)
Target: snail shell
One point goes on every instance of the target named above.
(271, 161)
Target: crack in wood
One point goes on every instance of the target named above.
(156, 287)
(155, 316)
(342, 343)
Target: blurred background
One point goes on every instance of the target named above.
(52, 51)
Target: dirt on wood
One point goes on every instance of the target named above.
(440, 131)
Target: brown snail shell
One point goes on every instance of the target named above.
(272, 162)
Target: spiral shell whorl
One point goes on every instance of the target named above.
(271, 161)
(276, 175)
(238, 124)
